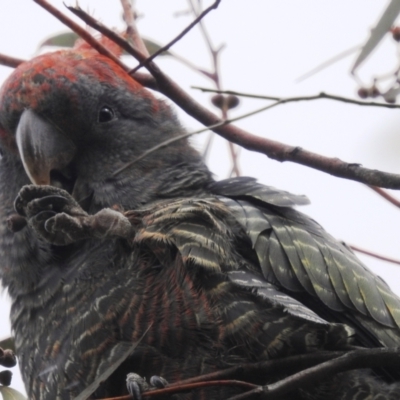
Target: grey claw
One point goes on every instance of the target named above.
(158, 382)
(136, 385)
(57, 203)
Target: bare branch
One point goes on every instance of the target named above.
(273, 149)
(372, 254)
(284, 100)
(283, 152)
(8, 61)
(131, 30)
(268, 368)
(386, 196)
(215, 77)
(203, 30)
(311, 371)
(144, 79)
(367, 358)
(180, 36)
(83, 33)
(119, 40)
(184, 388)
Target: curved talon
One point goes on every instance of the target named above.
(36, 197)
(19, 206)
(136, 385)
(44, 215)
(158, 382)
(57, 203)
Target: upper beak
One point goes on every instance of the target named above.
(42, 147)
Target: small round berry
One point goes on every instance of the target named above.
(218, 100)
(232, 101)
(363, 93)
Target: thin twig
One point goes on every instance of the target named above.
(368, 358)
(386, 195)
(268, 368)
(290, 150)
(131, 30)
(215, 77)
(11, 62)
(197, 385)
(180, 36)
(144, 79)
(167, 142)
(270, 148)
(284, 100)
(83, 33)
(185, 388)
(203, 30)
(115, 37)
(372, 254)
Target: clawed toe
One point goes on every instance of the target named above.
(137, 385)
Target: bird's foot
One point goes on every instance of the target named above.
(58, 218)
(137, 385)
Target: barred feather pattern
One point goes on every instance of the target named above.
(194, 282)
(298, 256)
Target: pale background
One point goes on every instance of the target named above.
(270, 44)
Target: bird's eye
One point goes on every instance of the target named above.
(106, 114)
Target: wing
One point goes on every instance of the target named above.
(298, 256)
(253, 317)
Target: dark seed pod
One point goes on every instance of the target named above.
(374, 91)
(232, 101)
(8, 359)
(218, 100)
(363, 93)
(5, 377)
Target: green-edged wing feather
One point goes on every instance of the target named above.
(296, 254)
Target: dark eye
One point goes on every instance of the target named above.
(106, 114)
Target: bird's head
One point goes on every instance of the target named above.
(73, 118)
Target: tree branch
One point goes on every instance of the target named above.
(284, 100)
(273, 149)
(187, 387)
(386, 196)
(83, 33)
(230, 376)
(180, 36)
(131, 30)
(372, 254)
(368, 358)
(8, 61)
(215, 77)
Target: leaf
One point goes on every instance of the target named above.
(11, 394)
(377, 33)
(328, 63)
(65, 39)
(68, 39)
(7, 343)
(152, 47)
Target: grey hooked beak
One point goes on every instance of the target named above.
(42, 147)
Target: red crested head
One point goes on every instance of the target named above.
(61, 79)
(73, 118)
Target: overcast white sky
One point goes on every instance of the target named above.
(268, 45)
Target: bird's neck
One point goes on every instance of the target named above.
(182, 180)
